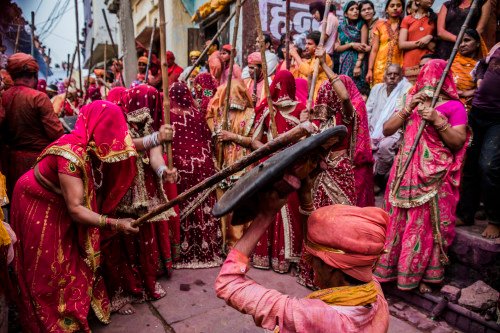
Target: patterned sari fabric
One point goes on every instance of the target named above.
(360, 149)
(205, 87)
(240, 120)
(336, 184)
(282, 242)
(57, 260)
(132, 263)
(351, 33)
(388, 50)
(201, 235)
(422, 211)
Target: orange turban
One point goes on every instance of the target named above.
(347, 237)
(227, 47)
(143, 59)
(21, 62)
(255, 59)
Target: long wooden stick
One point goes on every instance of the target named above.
(316, 61)
(90, 63)
(214, 38)
(258, 25)
(280, 142)
(453, 54)
(70, 73)
(164, 77)
(109, 31)
(287, 40)
(105, 68)
(33, 34)
(78, 45)
(220, 154)
(150, 51)
(16, 46)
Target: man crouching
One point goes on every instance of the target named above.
(343, 245)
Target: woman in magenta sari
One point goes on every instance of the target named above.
(422, 210)
(54, 215)
(132, 265)
(360, 148)
(201, 234)
(282, 242)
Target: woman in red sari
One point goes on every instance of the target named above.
(282, 242)
(133, 264)
(422, 210)
(336, 184)
(204, 86)
(54, 215)
(360, 149)
(201, 235)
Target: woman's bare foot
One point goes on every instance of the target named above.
(423, 288)
(491, 231)
(127, 309)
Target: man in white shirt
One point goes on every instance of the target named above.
(380, 106)
(271, 58)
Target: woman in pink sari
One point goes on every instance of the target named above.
(422, 210)
(282, 242)
(132, 265)
(360, 148)
(201, 234)
(54, 215)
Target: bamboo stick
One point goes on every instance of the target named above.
(150, 51)
(287, 40)
(105, 68)
(78, 45)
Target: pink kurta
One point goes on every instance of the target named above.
(270, 308)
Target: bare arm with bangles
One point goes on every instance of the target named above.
(165, 134)
(73, 193)
(244, 141)
(337, 84)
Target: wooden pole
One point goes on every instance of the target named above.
(220, 155)
(105, 68)
(67, 66)
(255, 78)
(109, 32)
(33, 34)
(78, 46)
(316, 61)
(16, 46)
(287, 40)
(90, 63)
(47, 67)
(454, 52)
(205, 51)
(258, 25)
(61, 112)
(150, 51)
(164, 77)
(290, 137)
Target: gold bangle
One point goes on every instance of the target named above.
(446, 126)
(332, 81)
(102, 221)
(401, 115)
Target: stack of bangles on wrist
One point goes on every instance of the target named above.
(334, 79)
(161, 169)
(404, 114)
(306, 209)
(443, 127)
(151, 140)
(106, 222)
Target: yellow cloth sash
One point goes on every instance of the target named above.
(4, 235)
(348, 295)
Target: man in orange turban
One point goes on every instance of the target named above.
(343, 245)
(29, 123)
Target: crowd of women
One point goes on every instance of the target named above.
(72, 212)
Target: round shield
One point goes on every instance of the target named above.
(241, 198)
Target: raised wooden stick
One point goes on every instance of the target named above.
(258, 25)
(90, 64)
(32, 34)
(278, 143)
(453, 54)
(316, 61)
(220, 154)
(164, 77)
(150, 51)
(16, 46)
(105, 68)
(70, 73)
(287, 40)
(205, 51)
(78, 46)
(109, 31)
